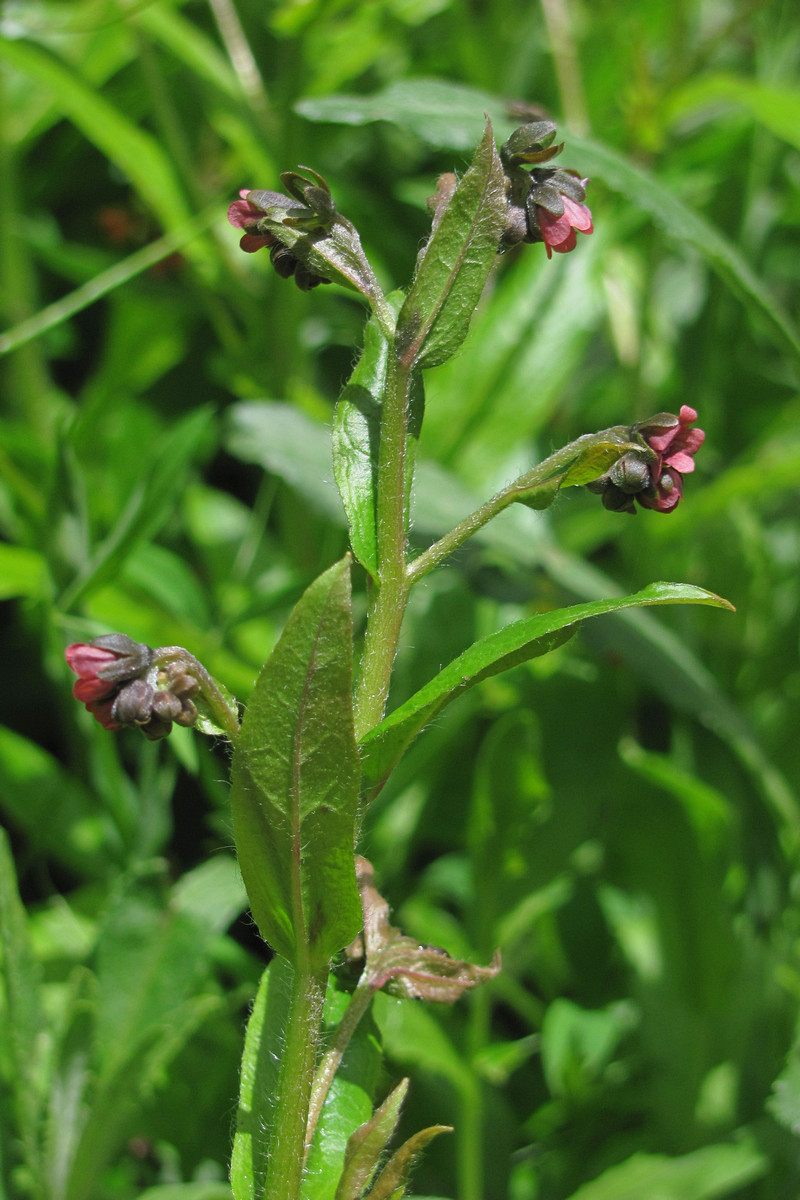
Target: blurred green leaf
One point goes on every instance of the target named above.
(148, 508)
(295, 780)
(22, 572)
(135, 152)
(776, 108)
(21, 1038)
(58, 814)
(701, 1175)
(443, 114)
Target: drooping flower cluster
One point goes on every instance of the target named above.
(122, 684)
(309, 206)
(654, 475)
(545, 204)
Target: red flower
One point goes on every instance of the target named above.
(242, 214)
(103, 666)
(654, 474)
(676, 446)
(558, 232)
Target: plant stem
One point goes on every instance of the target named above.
(390, 591)
(301, 1037)
(329, 1065)
(225, 716)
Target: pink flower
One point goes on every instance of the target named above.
(103, 666)
(558, 232)
(654, 474)
(243, 214)
(676, 446)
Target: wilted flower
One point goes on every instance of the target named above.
(654, 475)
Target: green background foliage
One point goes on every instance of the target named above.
(620, 817)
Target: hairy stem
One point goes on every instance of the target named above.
(329, 1064)
(298, 1061)
(390, 591)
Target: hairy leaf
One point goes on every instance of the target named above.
(295, 780)
(455, 264)
(385, 744)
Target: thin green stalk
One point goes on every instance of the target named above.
(329, 1064)
(390, 591)
(298, 1061)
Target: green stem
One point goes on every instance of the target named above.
(390, 591)
(538, 487)
(329, 1065)
(301, 1038)
(226, 717)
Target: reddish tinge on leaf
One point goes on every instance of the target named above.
(400, 965)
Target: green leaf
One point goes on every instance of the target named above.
(777, 108)
(136, 153)
(295, 782)
(444, 115)
(392, 1182)
(689, 228)
(455, 264)
(367, 1144)
(259, 1081)
(385, 744)
(22, 572)
(21, 1038)
(150, 505)
(58, 814)
(711, 1171)
(348, 1103)
(356, 438)
(290, 444)
(188, 1191)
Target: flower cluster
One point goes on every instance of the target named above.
(309, 206)
(545, 204)
(654, 475)
(122, 683)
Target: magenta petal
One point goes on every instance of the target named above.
(681, 462)
(579, 216)
(85, 660)
(687, 415)
(569, 243)
(242, 213)
(90, 690)
(250, 242)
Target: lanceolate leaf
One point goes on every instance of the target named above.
(455, 264)
(393, 1179)
(356, 438)
(259, 1082)
(530, 638)
(295, 782)
(367, 1144)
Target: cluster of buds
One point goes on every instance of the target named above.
(309, 206)
(545, 204)
(123, 683)
(653, 476)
